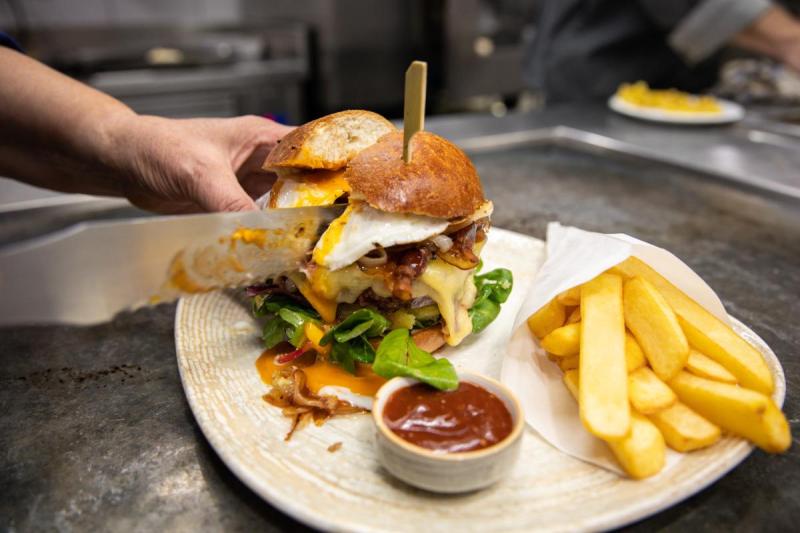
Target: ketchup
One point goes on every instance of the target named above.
(468, 418)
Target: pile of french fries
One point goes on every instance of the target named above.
(651, 368)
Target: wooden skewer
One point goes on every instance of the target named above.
(414, 104)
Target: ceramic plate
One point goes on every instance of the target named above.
(731, 112)
(217, 345)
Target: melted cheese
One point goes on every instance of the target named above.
(454, 291)
(451, 288)
(346, 284)
(313, 188)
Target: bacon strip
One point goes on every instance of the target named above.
(411, 265)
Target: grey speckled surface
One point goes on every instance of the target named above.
(95, 432)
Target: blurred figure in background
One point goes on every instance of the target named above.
(584, 49)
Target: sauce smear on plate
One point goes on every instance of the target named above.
(468, 418)
(319, 372)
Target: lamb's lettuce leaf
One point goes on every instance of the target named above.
(493, 289)
(397, 355)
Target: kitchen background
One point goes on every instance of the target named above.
(293, 60)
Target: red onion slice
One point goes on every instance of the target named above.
(288, 357)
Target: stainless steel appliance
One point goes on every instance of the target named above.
(185, 73)
(483, 52)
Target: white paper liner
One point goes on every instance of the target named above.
(575, 256)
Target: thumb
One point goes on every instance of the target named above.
(222, 193)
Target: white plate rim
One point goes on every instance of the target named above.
(646, 507)
(731, 112)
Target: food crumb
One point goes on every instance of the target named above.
(334, 447)
(242, 327)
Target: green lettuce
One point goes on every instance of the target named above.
(285, 319)
(397, 355)
(493, 289)
(350, 338)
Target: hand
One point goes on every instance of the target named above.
(790, 53)
(185, 166)
(775, 33)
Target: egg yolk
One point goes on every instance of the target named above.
(331, 236)
(317, 187)
(249, 236)
(322, 373)
(180, 279)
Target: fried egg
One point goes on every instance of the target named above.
(345, 394)
(313, 188)
(361, 229)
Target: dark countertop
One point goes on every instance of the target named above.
(96, 433)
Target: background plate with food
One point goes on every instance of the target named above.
(671, 106)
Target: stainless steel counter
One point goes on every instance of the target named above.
(755, 153)
(96, 434)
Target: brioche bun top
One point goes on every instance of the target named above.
(440, 180)
(328, 142)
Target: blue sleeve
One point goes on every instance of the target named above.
(8, 42)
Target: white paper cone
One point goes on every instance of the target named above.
(574, 257)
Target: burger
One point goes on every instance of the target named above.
(393, 279)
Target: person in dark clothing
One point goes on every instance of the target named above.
(584, 49)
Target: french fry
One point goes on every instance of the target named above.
(654, 325)
(570, 296)
(706, 332)
(719, 342)
(604, 406)
(566, 344)
(647, 393)
(563, 341)
(546, 319)
(641, 452)
(574, 316)
(571, 381)
(568, 363)
(634, 357)
(683, 429)
(743, 412)
(705, 367)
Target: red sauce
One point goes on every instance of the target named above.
(468, 418)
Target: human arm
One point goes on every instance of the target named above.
(60, 134)
(755, 25)
(776, 33)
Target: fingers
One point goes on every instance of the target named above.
(256, 137)
(253, 138)
(222, 193)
